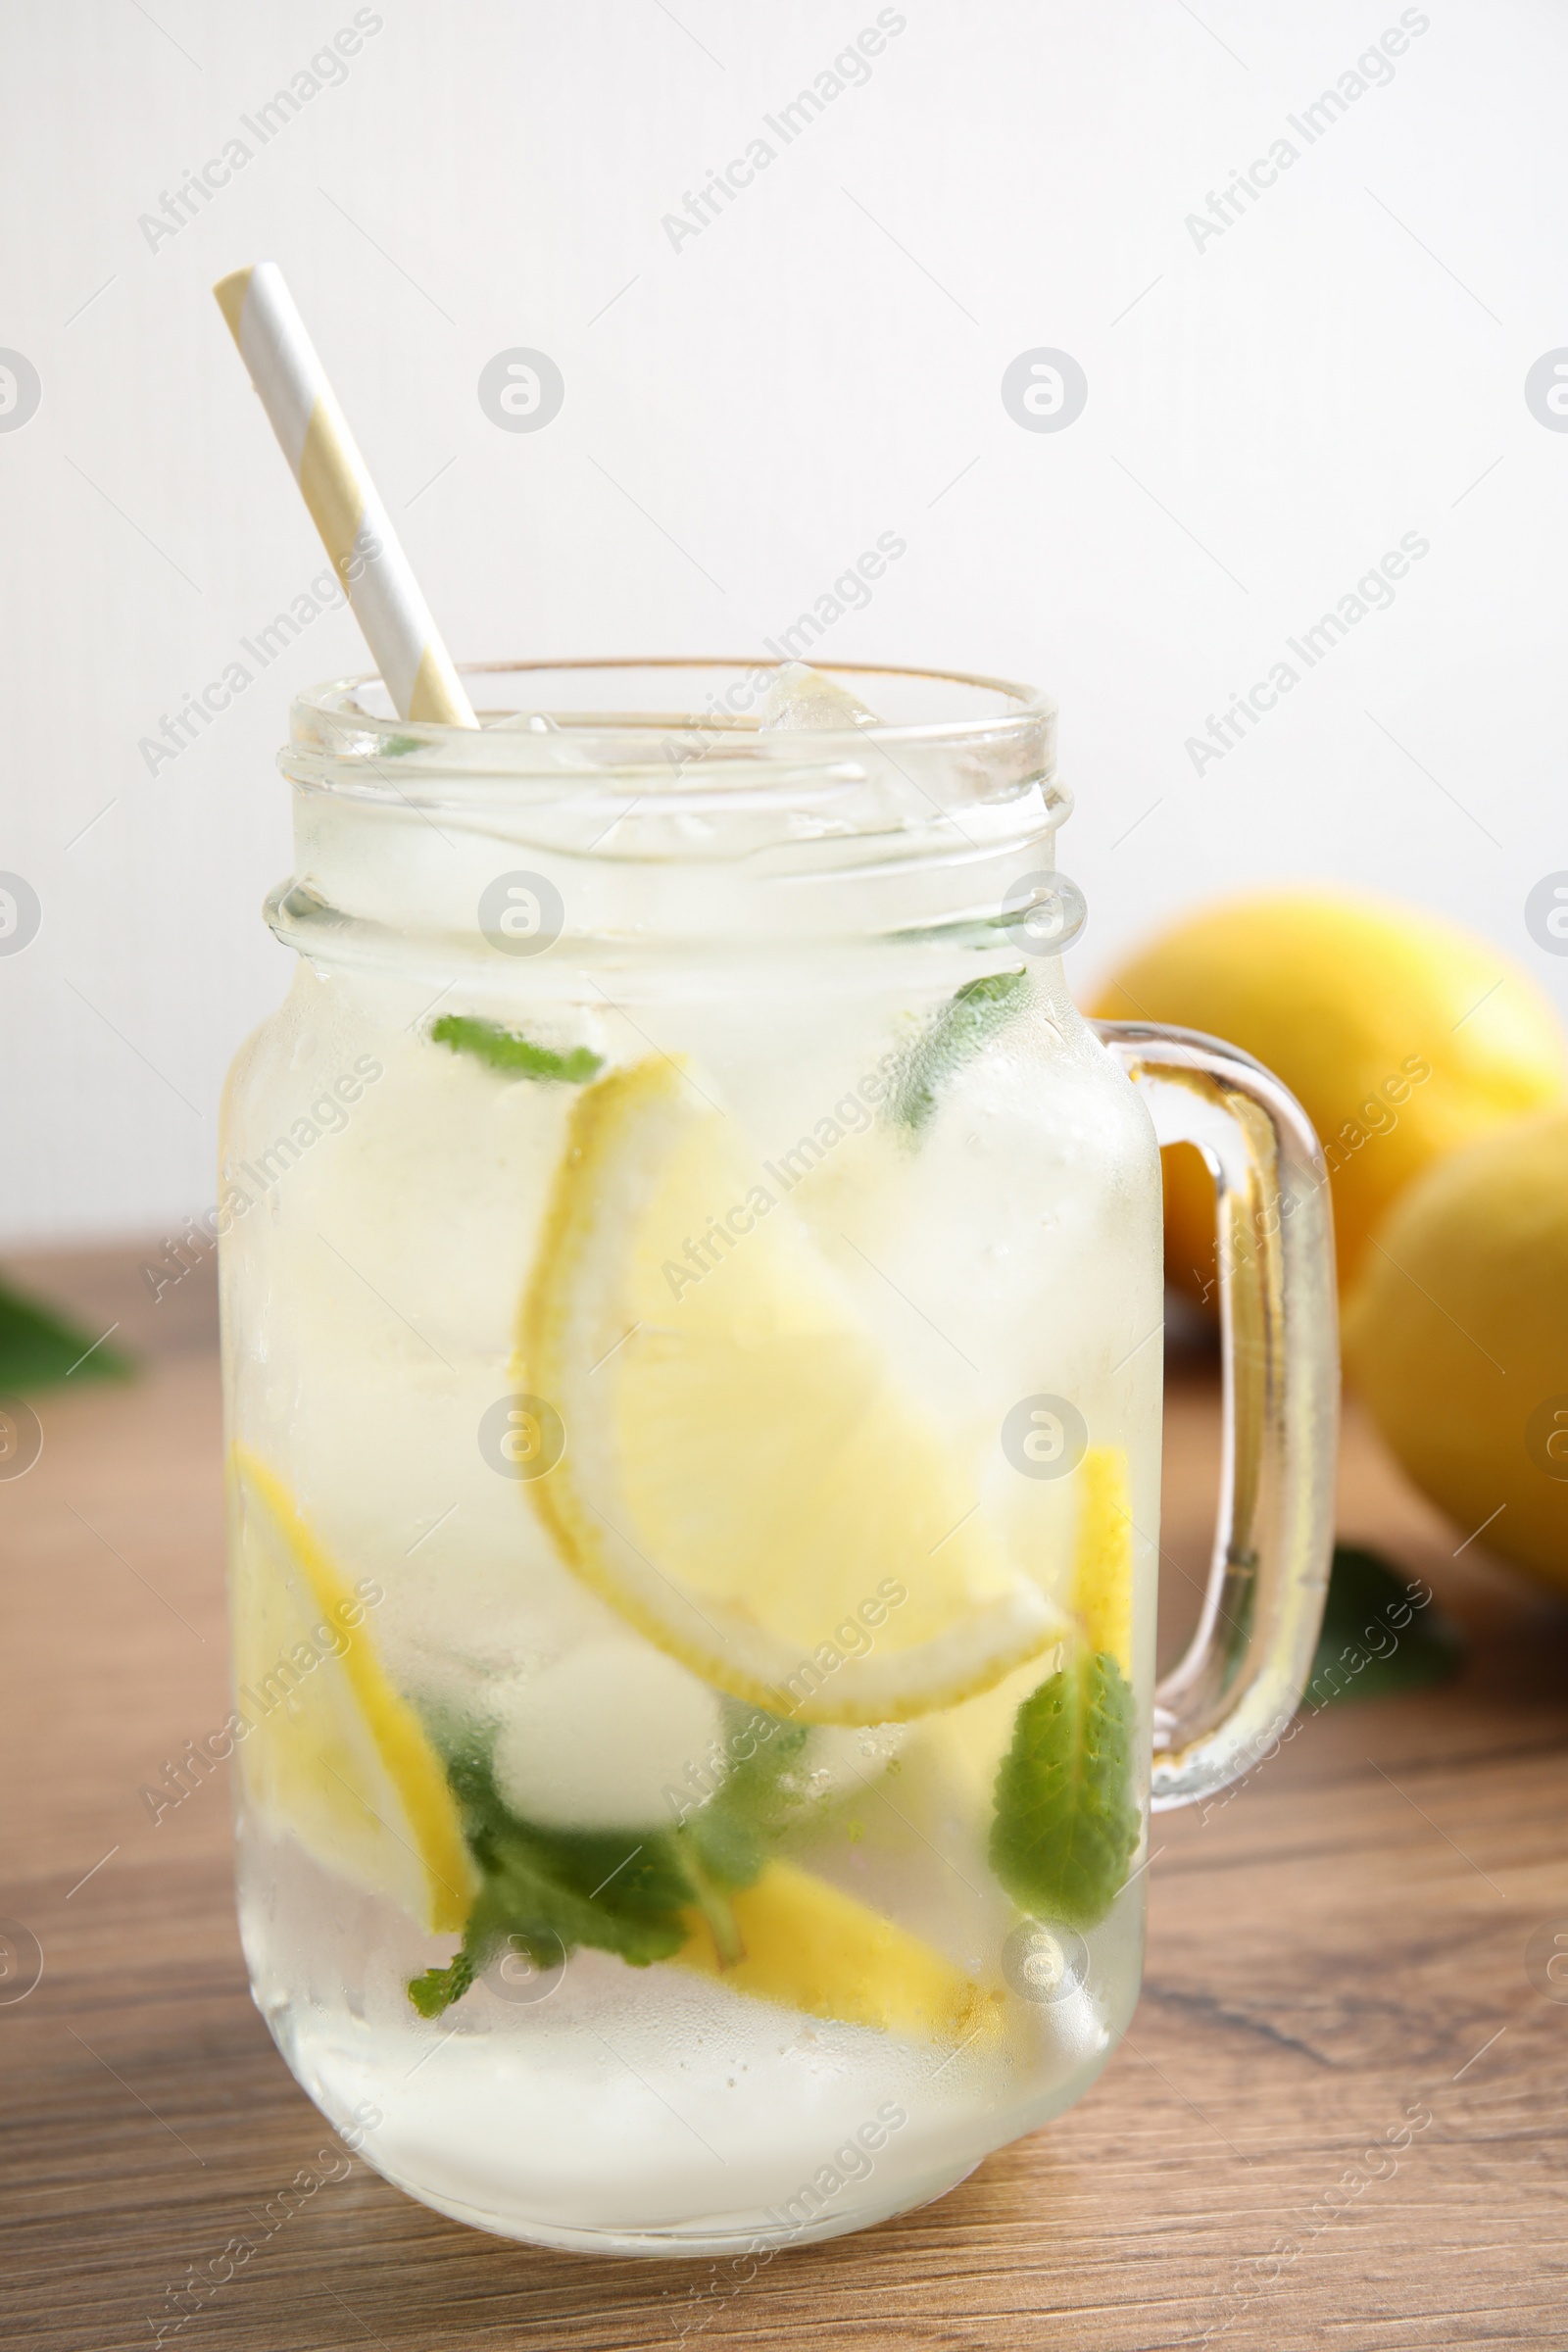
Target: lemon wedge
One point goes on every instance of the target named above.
(1102, 1555)
(809, 1946)
(745, 1479)
(333, 1753)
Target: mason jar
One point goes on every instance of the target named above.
(692, 1313)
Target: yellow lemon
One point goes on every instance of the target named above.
(1458, 1339)
(744, 1477)
(334, 1752)
(807, 1945)
(1401, 1035)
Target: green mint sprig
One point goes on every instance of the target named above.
(1378, 1638)
(548, 1892)
(506, 1050)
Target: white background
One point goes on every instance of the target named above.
(1266, 416)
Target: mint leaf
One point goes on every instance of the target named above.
(954, 1034)
(601, 1887)
(1379, 1635)
(39, 1349)
(1065, 1822)
(438, 1987)
(618, 1891)
(506, 1050)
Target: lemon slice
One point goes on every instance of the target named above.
(1102, 1555)
(743, 1479)
(808, 1945)
(333, 1753)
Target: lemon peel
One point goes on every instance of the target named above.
(334, 1752)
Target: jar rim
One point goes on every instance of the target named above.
(350, 722)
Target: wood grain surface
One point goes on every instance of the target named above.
(1336, 1951)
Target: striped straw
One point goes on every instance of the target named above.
(355, 527)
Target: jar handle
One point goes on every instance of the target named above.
(1242, 1676)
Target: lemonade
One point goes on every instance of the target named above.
(692, 1330)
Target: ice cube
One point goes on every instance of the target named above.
(594, 1742)
(803, 697)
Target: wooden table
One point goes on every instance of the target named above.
(1336, 1950)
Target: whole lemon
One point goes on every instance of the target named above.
(1457, 1337)
(1401, 1035)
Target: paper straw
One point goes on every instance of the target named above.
(355, 527)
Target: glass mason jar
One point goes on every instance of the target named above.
(692, 1305)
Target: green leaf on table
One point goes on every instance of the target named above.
(1066, 1823)
(1383, 1633)
(954, 1034)
(39, 1349)
(506, 1050)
